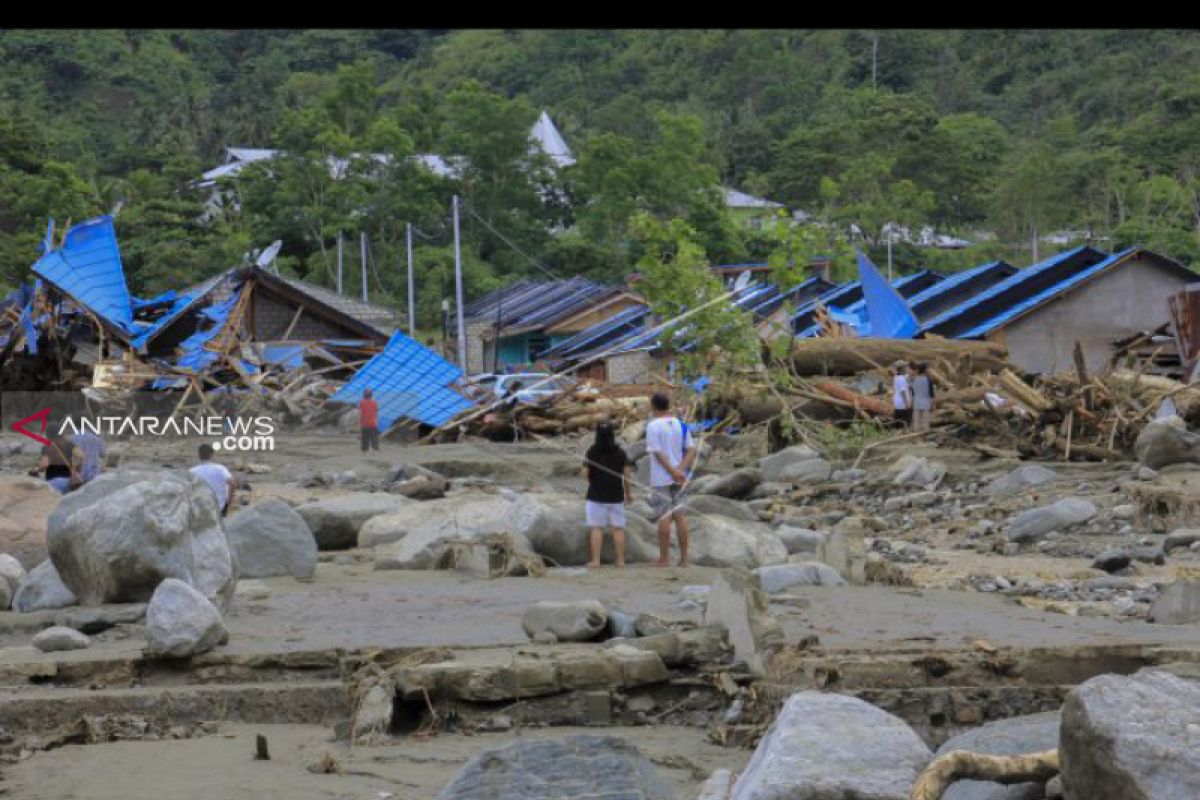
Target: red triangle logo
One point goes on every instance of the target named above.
(43, 416)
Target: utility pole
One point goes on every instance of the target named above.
(412, 305)
(458, 292)
(889, 232)
(339, 262)
(874, 61)
(1035, 243)
(362, 250)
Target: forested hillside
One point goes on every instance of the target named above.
(1009, 132)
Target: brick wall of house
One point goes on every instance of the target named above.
(637, 367)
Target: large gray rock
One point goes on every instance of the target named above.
(25, 505)
(58, 638)
(554, 524)
(833, 747)
(116, 538)
(181, 622)
(1165, 442)
(717, 541)
(1022, 477)
(42, 589)
(844, 550)
(582, 766)
(574, 621)
(737, 603)
(1177, 604)
(270, 539)
(713, 504)
(1184, 537)
(1132, 738)
(910, 470)
(1032, 733)
(773, 466)
(781, 577)
(11, 575)
(736, 485)
(417, 536)
(814, 470)
(1035, 523)
(799, 540)
(335, 521)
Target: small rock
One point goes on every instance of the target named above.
(1184, 537)
(1035, 523)
(779, 577)
(41, 589)
(1146, 474)
(1112, 560)
(576, 621)
(181, 622)
(59, 638)
(1019, 479)
(1165, 442)
(1122, 511)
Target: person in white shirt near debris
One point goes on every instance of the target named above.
(671, 454)
(219, 479)
(901, 394)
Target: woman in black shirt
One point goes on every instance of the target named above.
(608, 472)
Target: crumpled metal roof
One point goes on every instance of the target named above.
(88, 269)
(591, 339)
(409, 381)
(803, 320)
(533, 304)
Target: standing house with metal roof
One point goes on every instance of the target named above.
(1081, 295)
(515, 325)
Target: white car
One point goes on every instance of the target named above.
(536, 387)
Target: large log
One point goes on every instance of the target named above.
(849, 356)
(871, 405)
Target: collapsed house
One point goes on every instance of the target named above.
(250, 331)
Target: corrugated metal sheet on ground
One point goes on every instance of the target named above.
(409, 381)
(88, 269)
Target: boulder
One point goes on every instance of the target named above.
(555, 526)
(799, 540)
(574, 621)
(25, 505)
(1165, 442)
(336, 521)
(1035, 523)
(11, 575)
(772, 466)
(1184, 537)
(419, 535)
(814, 470)
(716, 541)
(736, 485)
(116, 538)
(714, 504)
(42, 589)
(580, 766)
(910, 470)
(1032, 733)
(833, 747)
(844, 550)
(419, 488)
(270, 539)
(1021, 478)
(1112, 560)
(181, 622)
(1177, 604)
(52, 640)
(1132, 737)
(781, 577)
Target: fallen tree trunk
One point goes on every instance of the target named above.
(871, 405)
(849, 356)
(960, 765)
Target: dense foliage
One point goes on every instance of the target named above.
(1016, 133)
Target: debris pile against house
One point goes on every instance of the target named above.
(269, 341)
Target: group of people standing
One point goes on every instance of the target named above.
(912, 394)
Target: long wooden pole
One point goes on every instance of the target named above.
(458, 292)
(412, 298)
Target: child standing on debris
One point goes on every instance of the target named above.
(901, 394)
(608, 492)
(368, 421)
(218, 478)
(922, 394)
(671, 451)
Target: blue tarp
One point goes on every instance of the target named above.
(888, 315)
(409, 381)
(290, 356)
(195, 357)
(88, 269)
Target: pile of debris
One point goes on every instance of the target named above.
(577, 408)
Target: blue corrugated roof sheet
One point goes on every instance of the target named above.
(409, 381)
(957, 279)
(194, 356)
(88, 268)
(1011, 283)
(1016, 310)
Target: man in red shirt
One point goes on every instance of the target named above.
(368, 421)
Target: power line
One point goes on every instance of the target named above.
(509, 242)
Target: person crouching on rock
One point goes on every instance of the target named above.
(608, 492)
(218, 478)
(61, 464)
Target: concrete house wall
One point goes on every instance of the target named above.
(1130, 298)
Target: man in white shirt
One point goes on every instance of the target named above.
(219, 479)
(901, 394)
(669, 444)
